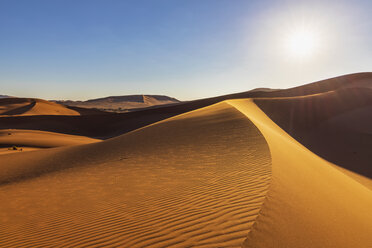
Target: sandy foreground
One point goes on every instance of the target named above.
(231, 173)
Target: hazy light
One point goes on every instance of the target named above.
(302, 43)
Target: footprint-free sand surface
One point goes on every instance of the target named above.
(219, 172)
(176, 183)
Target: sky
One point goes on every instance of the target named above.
(188, 49)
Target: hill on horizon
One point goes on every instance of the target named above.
(122, 103)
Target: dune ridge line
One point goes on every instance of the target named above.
(154, 187)
(301, 208)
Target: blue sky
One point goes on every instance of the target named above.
(81, 49)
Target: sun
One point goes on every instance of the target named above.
(302, 43)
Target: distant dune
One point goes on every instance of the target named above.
(28, 106)
(122, 103)
(263, 168)
(14, 106)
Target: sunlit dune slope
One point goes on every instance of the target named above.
(310, 203)
(198, 179)
(27, 139)
(28, 106)
(336, 125)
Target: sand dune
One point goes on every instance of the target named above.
(356, 80)
(310, 203)
(152, 187)
(28, 106)
(14, 106)
(217, 172)
(335, 125)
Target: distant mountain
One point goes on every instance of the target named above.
(122, 103)
(4, 96)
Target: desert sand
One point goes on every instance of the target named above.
(310, 202)
(28, 106)
(28, 140)
(267, 168)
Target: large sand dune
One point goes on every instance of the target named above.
(282, 168)
(177, 183)
(337, 125)
(310, 203)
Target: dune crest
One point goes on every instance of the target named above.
(310, 203)
(335, 125)
(177, 183)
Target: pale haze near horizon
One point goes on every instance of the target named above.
(184, 49)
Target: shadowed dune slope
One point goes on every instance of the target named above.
(198, 179)
(310, 203)
(29, 106)
(336, 125)
(111, 125)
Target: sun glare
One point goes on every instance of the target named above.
(302, 43)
